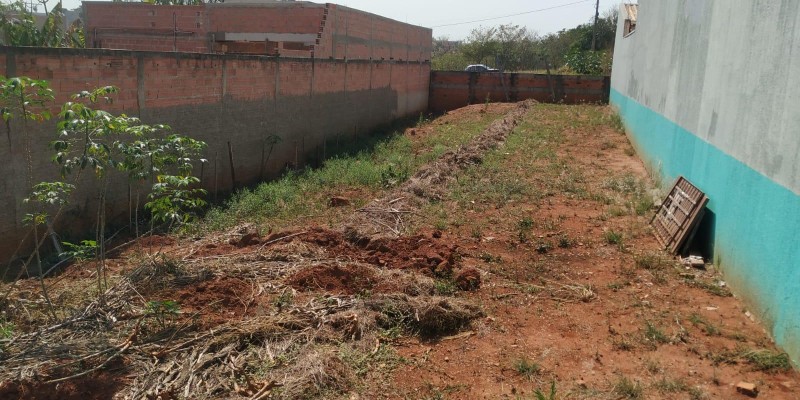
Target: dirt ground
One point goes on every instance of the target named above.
(520, 262)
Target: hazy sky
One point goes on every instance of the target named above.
(434, 13)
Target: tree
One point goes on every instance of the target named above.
(515, 48)
(509, 47)
(19, 27)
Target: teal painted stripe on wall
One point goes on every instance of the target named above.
(757, 221)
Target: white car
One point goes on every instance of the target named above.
(479, 68)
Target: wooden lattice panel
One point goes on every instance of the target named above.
(679, 215)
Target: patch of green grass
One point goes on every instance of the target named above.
(572, 183)
(285, 299)
(730, 357)
(768, 361)
(613, 237)
(565, 242)
(695, 393)
(653, 367)
(616, 123)
(6, 329)
(487, 185)
(665, 385)
(382, 160)
(524, 227)
(642, 204)
(615, 211)
(364, 362)
(490, 258)
(659, 276)
(651, 261)
(625, 184)
(653, 334)
(709, 287)
(445, 287)
(707, 327)
(628, 389)
(634, 190)
(476, 232)
(539, 395)
(526, 367)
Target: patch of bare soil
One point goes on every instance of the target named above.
(578, 295)
(99, 386)
(537, 270)
(336, 279)
(215, 301)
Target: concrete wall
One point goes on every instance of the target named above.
(455, 89)
(219, 99)
(710, 90)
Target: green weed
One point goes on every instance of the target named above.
(613, 237)
(665, 385)
(768, 361)
(709, 287)
(490, 258)
(707, 327)
(6, 329)
(550, 396)
(526, 367)
(565, 242)
(445, 287)
(695, 393)
(651, 261)
(285, 299)
(653, 334)
(616, 123)
(628, 389)
(653, 367)
(163, 311)
(524, 227)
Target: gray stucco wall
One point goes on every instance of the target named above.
(709, 90)
(728, 71)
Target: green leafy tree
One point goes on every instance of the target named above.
(94, 139)
(447, 55)
(91, 139)
(515, 48)
(18, 27)
(587, 62)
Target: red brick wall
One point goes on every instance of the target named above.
(343, 33)
(220, 99)
(451, 90)
(287, 18)
(353, 34)
(141, 26)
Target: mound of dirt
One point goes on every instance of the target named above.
(427, 255)
(431, 180)
(215, 301)
(337, 278)
(468, 279)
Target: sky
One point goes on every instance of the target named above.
(541, 16)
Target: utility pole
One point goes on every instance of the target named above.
(594, 28)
